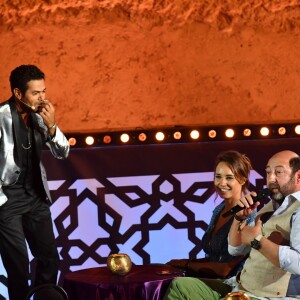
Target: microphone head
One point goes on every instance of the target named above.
(263, 193)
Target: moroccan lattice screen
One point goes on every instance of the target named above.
(152, 202)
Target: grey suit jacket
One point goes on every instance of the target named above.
(9, 169)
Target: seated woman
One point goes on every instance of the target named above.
(231, 179)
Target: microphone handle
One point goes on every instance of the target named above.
(233, 211)
(260, 196)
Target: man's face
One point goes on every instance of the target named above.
(35, 93)
(280, 179)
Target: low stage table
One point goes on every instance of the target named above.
(143, 282)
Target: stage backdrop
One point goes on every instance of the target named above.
(152, 202)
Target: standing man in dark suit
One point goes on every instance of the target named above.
(27, 123)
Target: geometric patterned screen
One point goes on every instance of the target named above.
(153, 202)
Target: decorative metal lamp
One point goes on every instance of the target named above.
(237, 296)
(119, 264)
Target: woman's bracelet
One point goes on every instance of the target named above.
(54, 125)
(239, 219)
(241, 222)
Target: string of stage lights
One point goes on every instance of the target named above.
(183, 134)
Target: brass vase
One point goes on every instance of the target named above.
(237, 296)
(119, 264)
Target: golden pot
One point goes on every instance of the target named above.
(119, 264)
(237, 296)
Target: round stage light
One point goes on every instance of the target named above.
(142, 137)
(72, 141)
(107, 139)
(281, 130)
(229, 133)
(297, 129)
(124, 138)
(177, 135)
(264, 131)
(195, 134)
(212, 134)
(89, 140)
(247, 132)
(160, 136)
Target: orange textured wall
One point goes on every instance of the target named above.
(126, 64)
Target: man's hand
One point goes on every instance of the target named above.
(278, 236)
(47, 112)
(248, 204)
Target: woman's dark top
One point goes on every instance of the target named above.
(216, 246)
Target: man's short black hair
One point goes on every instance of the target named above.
(20, 76)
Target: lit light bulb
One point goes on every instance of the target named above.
(142, 137)
(160, 136)
(247, 132)
(177, 135)
(212, 134)
(297, 129)
(264, 131)
(195, 134)
(281, 131)
(72, 141)
(229, 133)
(89, 140)
(124, 138)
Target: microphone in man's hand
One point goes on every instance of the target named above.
(262, 194)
